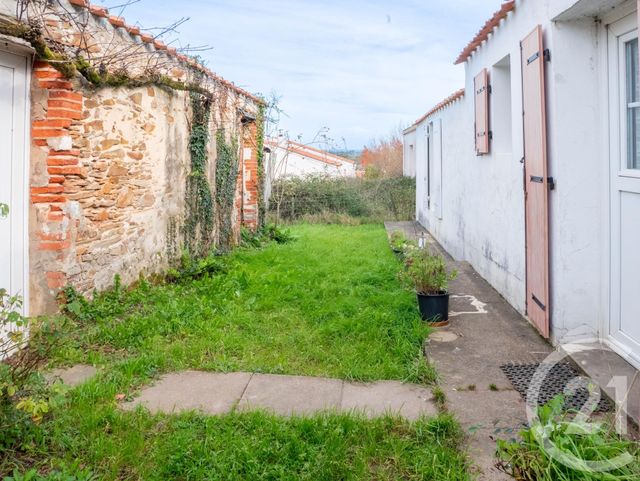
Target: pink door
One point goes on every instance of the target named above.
(536, 180)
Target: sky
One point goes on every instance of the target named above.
(353, 70)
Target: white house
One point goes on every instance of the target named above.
(286, 158)
(409, 152)
(532, 173)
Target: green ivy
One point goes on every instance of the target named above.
(226, 176)
(200, 218)
(260, 147)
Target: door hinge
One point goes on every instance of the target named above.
(491, 135)
(546, 55)
(538, 302)
(533, 58)
(540, 180)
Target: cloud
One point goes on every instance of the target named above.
(359, 67)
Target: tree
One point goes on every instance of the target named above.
(383, 156)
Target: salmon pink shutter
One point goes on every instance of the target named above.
(536, 180)
(481, 86)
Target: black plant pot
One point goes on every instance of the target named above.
(434, 308)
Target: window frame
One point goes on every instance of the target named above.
(624, 105)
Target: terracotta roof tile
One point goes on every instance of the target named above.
(445, 103)
(484, 33)
(313, 153)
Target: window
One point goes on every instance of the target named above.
(501, 136)
(632, 80)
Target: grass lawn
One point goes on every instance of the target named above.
(328, 304)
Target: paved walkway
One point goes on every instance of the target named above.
(484, 333)
(216, 393)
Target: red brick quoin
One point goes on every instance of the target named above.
(50, 132)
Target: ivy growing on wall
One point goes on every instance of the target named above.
(260, 156)
(200, 218)
(226, 176)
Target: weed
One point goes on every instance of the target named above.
(577, 443)
(440, 398)
(493, 387)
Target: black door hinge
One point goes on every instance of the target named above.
(540, 180)
(547, 54)
(538, 302)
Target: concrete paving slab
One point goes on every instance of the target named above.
(609, 370)
(487, 409)
(72, 376)
(287, 395)
(443, 336)
(211, 393)
(482, 448)
(393, 397)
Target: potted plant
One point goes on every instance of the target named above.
(430, 276)
(397, 241)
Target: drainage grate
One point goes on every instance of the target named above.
(553, 381)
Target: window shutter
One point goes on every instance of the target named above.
(481, 86)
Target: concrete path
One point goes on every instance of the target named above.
(485, 332)
(216, 393)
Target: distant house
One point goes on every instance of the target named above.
(287, 159)
(532, 172)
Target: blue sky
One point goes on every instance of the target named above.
(359, 68)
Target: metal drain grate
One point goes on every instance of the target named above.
(553, 382)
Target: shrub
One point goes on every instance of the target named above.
(264, 235)
(428, 273)
(25, 397)
(343, 200)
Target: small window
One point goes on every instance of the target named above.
(500, 119)
(632, 104)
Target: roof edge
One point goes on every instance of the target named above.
(486, 30)
(457, 95)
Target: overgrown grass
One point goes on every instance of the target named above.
(327, 304)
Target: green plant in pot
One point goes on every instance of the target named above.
(430, 276)
(397, 241)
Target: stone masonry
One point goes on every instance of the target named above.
(109, 165)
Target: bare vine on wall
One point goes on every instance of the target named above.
(97, 45)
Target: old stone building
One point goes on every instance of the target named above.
(117, 152)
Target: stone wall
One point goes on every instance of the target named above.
(109, 166)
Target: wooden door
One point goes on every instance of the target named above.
(13, 172)
(536, 181)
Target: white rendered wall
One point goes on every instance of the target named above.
(483, 218)
(409, 155)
